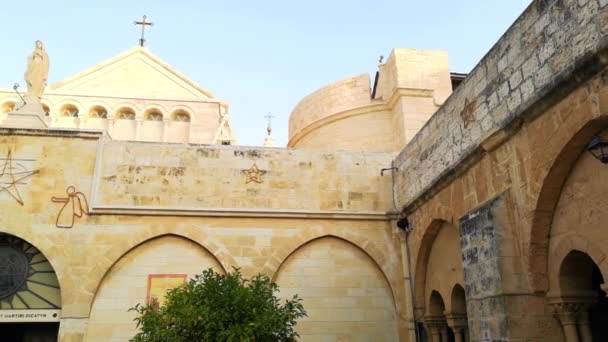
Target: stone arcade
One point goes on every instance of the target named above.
(487, 223)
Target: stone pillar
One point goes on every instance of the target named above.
(166, 123)
(567, 314)
(72, 329)
(435, 325)
(111, 121)
(407, 288)
(138, 127)
(444, 334)
(481, 232)
(584, 327)
(458, 323)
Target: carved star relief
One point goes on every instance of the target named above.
(254, 174)
(12, 175)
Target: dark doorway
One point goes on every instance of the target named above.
(29, 332)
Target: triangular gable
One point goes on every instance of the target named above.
(135, 73)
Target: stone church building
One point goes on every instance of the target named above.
(409, 206)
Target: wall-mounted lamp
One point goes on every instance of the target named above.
(598, 147)
(404, 224)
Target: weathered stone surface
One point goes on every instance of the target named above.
(481, 240)
(543, 49)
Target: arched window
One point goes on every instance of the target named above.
(153, 115)
(181, 116)
(7, 107)
(179, 129)
(69, 110)
(125, 113)
(98, 112)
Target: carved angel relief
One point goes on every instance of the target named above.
(74, 205)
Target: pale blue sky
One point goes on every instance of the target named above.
(260, 56)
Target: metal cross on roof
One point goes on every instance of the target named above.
(143, 24)
(269, 127)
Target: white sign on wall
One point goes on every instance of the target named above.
(27, 315)
(485, 335)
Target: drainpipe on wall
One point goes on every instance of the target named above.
(408, 286)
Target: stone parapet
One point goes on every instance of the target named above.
(553, 47)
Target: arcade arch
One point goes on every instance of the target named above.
(28, 285)
(441, 300)
(132, 279)
(342, 286)
(576, 239)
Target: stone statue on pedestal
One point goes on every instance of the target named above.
(37, 71)
(30, 113)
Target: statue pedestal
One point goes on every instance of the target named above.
(29, 115)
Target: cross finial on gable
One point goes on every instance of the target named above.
(269, 117)
(143, 24)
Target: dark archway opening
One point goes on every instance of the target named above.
(598, 313)
(580, 277)
(29, 332)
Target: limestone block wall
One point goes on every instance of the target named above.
(499, 166)
(194, 121)
(148, 200)
(415, 69)
(543, 48)
(343, 115)
(346, 296)
(126, 283)
(188, 178)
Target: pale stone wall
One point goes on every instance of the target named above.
(347, 94)
(415, 69)
(136, 82)
(444, 269)
(579, 219)
(185, 178)
(411, 86)
(344, 291)
(503, 187)
(542, 49)
(126, 283)
(138, 192)
(203, 125)
(495, 159)
(359, 132)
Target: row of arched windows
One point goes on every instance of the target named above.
(100, 112)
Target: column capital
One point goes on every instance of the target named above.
(456, 321)
(437, 322)
(568, 312)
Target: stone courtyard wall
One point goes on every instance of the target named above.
(177, 209)
(551, 48)
(493, 161)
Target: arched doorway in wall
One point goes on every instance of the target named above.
(574, 193)
(582, 306)
(30, 297)
(439, 275)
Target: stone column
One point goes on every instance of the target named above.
(444, 333)
(458, 323)
(584, 328)
(567, 314)
(435, 324)
(72, 329)
(166, 123)
(111, 121)
(138, 127)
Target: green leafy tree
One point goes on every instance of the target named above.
(220, 307)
